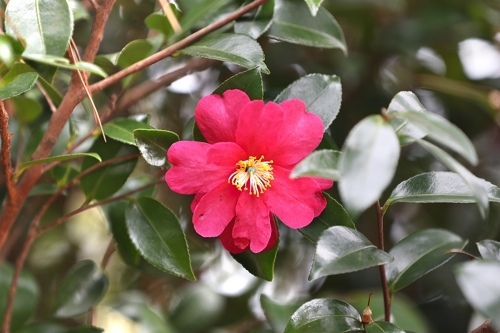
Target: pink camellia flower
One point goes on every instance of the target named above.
(241, 176)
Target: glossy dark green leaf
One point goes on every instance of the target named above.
(257, 22)
(320, 163)
(333, 214)
(43, 189)
(314, 6)
(201, 10)
(53, 93)
(489, 249)
(342, 250)
(402, 102)
(61, 62)
(367, 164)
(239, 49)
(45, 25)
(293, 23)
(104, 182)
(59, 158)
(326, 316)
(321, 93)
(27, 109)
(63, 174)
(438, 187)
(85, 329)
(26, 299)
(122, 129)
(475, 184)
(157, 234)
(158, 21)
(277, 314)
(420, 253)
(382, 327)
(442, 131)
(260, 264)
(249, 81)
(133, 52)
(83, 286)
(480, 285)
(154, 144)
(19, 78)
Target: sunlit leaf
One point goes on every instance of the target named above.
(25, 165)
(257, 22)
(19, 78)
(402, 102)
(489, 249)
(249, 81)
(382, 327)
(122, 129)
(133, 52)
(154, 144)
(314, 6)
(320, 163)
(61, 62)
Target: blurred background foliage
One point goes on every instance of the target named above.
(446, 51)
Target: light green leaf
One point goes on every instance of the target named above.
(20, 78)
(133, 52)
(489, 249)
(27, 109)
(202, 9)
(59, 158)
(314, 6)
(239, 49)
(342, 250)
(420, 253)
(293, 23)
(80, 290)
(61, 62)
(326, 316)
(402, 102)
(321, 93)
(277, 314)
(382, 327)
(45, 25)
(367, 164)
(122, 129)
(158, 21)
(320, 163)
(257, 22)
(480, 285)
(154, 144)
(158, 235)
(475, 185)
(10, 49)
(438, 187)
(249, 81)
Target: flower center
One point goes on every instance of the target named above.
(252, 174)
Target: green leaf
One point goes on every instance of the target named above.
(257, 22)
(277, 314)
(136, 309)
(442, 131)
(314, 6)
(475, 185)
(19, 78)
(122, 129)
(63, 174)
(157, 21)
(260, 264)
(321, 93)
(480, 285)
(10, 48)
(157, 234)
(342, 250)
(293, 23)
(320, 163)
(154, 144)
(45, 25)
(42, 328)
(333, 214)
(26, 299)
(438, 186)
(249, 81)
(326, 316)
(133, 52)
(27, 109)
(239, 49)
(79, 11)
(105, 181)
(402, 102)
(202, 9)
(61, 62)
(53, 93)
(489, 249)
(420, 253)
(81, 289)
(85, 329)
(367, 163)
(382, 327)
(59, 158)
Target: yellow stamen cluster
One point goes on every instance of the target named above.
(254, 171)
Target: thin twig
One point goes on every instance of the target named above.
(6, 163)
(94, 4)
(52, 106)
(383, 277)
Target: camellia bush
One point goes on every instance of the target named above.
(232, 166)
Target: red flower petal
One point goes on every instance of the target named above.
(252, 226)
(227, 240)
(295, 201)
(215, 210)
(199, 167)
(217, 117)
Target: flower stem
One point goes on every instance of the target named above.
(383, 277)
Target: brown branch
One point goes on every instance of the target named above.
(383, 277)
(52, 106)
(97, 32)
(484, 328)
(174, 47)
(6, 163)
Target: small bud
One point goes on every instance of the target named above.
(366, 317)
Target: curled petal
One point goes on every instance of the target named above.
(295, 201)
(227, 240)
(215, 210)
(217, 117)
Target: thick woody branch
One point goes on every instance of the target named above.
(484, 328)
(6, 138)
